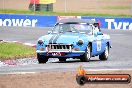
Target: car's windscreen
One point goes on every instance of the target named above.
(82, 27)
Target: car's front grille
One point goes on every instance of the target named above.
(59, 47)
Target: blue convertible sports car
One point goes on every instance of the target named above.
(74, 38)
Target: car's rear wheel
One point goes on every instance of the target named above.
(41, 58)
(62, 59)
(105, 54)
(87, 55)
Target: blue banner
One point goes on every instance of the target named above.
(27, 20)
(49, 21)
(112, 22)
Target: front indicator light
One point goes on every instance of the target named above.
(40, 42)
(80, 42)
(41, 49)
(76, 49)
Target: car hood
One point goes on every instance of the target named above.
(66, 38)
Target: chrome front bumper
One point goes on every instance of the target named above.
(38, 51)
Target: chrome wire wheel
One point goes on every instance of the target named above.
(106, 51)
(105, 54)
(88, 53)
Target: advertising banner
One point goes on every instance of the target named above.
(66, 17)
(42, 1)
(47, 1)
(27, 20)
(34, 2)
(112, 22)
(49, 21)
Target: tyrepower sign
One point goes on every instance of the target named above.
(18, 22)
(113, 22)
(27, 20)
(122, 24)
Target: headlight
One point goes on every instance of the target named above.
(80, 42)
(40, 42)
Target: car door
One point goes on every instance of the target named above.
(100, 42)
(94, 41)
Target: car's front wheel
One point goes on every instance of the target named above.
(41, 58)
(105, 54)
(87, 55)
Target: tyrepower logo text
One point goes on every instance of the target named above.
(112, 24)
(18, 22)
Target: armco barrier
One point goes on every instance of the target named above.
(49, 21)
(112, 22)
(27, 20)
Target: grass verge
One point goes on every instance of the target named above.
(117, 7)
(11, 11)
(15, 51)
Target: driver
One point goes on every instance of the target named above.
(66, 28)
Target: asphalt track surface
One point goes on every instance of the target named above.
(120, 54)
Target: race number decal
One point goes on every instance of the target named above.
(98, 45)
